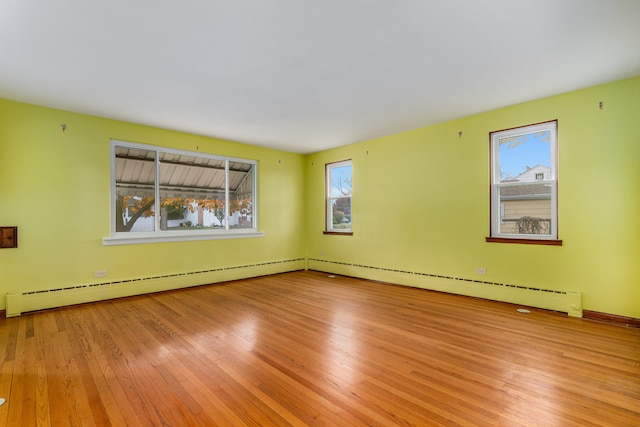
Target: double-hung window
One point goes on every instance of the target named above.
(524, 189)
(163, 194)
(338, 197)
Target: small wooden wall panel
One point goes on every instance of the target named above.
(8, 237)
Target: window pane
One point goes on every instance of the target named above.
(340, 181)
(341, 213)
(241, 201)
(525, 157)
(135, 189)
(525, 209)
(191, 192)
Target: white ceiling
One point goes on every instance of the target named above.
(305, 75)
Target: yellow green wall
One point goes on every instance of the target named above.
(55, 187)
(421, 201)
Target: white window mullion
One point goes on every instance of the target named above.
(226, 194)
(554, 210)
(114, 194)
(156, 193)
(254, 202)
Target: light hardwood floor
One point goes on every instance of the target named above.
(305, 349)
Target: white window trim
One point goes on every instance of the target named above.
(177, 236)
(497, 208)
(127, 238)
(329, 207)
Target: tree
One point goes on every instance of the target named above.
(143, 207)
(342, 203)
(344, 185)
(140, 207)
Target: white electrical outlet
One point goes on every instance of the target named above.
(481, 270)
(100, 273)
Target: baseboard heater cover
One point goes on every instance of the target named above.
(563, 301)
(23, 302)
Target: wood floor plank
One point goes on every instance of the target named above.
(301, 349)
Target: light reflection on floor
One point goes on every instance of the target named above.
(342, 349)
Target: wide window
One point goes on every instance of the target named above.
(338, 197)
(161, 194)
(524, 184)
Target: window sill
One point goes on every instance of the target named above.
(161, 237)
(339, 233)
(544, 242)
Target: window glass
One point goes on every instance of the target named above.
(135, 189)
(523, 157)
(191, 192)
(241, 178)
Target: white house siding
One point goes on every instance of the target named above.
(516, 209)
(530, 174)
(209, 219)
(143, 224)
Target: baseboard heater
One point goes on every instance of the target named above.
(23, 302)
(531, 296)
